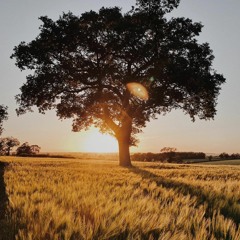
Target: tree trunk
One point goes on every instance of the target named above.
(124, 153)
(8, 151)
(124, 143)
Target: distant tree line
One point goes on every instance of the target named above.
(229, 156)
(8, 143)
(168, 156)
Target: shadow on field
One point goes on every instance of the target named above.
(4, 224)
(228, 207)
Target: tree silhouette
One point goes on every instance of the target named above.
(7, 144)
(117, 70)
(25, 149)
(3, 116)
(168, 149)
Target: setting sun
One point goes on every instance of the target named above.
(97, 142)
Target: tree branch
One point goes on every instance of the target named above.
(109, 121)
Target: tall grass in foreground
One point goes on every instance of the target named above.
(71, 199)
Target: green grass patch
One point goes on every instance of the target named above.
(223, 162)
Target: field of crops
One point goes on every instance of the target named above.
(223, 162)
(93, 199)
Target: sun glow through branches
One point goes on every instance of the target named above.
(97, 142)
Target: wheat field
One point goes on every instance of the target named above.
(93, 199)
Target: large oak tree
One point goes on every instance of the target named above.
(82, 65)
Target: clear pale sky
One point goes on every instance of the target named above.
(221, 20)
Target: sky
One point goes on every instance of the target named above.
(19, 22)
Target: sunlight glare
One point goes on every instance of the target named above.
(138, 90)
(98, 142)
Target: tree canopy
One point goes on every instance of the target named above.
(25, 149)
(82, 65)
(3, 116)
(7, 144)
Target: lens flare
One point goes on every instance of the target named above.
(151, 79)
(138, 90)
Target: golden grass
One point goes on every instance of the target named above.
(87, 199)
